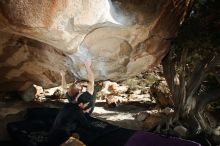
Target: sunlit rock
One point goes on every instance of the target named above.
(151, 121)
(160, 91)
(73, 142)
(216, 131)
(141, 116)
(181, 130)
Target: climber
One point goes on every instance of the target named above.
(75, 90)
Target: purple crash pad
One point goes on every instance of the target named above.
(152, 139)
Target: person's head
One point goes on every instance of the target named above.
(85, 103)
(75, 89)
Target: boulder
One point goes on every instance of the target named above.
(160, 91)
(121, 37)
(181, 130)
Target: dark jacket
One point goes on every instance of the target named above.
(67, 120)
(85, 95)
(69, 117)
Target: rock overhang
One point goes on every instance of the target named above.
(122, 38)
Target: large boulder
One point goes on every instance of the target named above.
(38, 38)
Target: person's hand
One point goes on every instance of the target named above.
(62, 73)
(88, 63)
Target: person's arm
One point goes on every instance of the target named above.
(90, 76)
(63, 81)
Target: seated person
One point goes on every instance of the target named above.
(69, 118)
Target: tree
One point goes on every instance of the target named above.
(192, 67)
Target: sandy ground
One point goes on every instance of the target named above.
(123, 115)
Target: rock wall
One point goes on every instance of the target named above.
(38, 38)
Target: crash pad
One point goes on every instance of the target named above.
(34, 130)
(142, 138)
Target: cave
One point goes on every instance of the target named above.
(156, 67)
